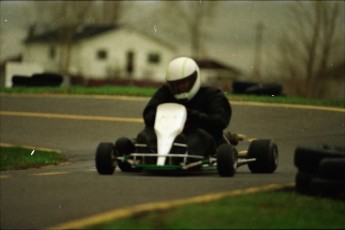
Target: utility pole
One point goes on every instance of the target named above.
(258, 52)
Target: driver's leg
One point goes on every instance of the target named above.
(147, 143)
(201, 143)
(148, 139)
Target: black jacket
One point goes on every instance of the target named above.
(209, 109)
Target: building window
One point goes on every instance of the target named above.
(102, 54)
(153, 58)
(52, 52)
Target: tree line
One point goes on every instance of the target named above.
(311, 42)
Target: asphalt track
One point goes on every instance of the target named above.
(41, 198)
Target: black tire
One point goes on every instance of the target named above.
(308, 159)
(256, 88)
(266, 154)
(332, 168)
(124, 146)
(226, 160)
(302, 182)
(265, 89)
(105, 162)
(327, 188)
(240, 87)
(125, 166)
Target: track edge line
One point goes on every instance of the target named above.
(164, 205)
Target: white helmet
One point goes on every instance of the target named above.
(183, 78)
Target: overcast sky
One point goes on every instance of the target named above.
(231, 32)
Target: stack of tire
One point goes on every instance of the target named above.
(321, 171)
(37, 80)
(257, 88)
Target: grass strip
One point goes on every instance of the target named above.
(102, 90)
(281, 209)
(15, 158)
(148, 92)
(289, 100)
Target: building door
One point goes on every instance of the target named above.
(130, 63)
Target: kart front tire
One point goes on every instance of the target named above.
(266, 154)
(226, 160)
(105, 162)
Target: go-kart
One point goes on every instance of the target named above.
(261, 157)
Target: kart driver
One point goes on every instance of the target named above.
(208, 110)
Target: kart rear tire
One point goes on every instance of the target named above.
(266, 154)
(226, 160)
(127, 167)
(124, 146)
(124, 166)
(105, 160)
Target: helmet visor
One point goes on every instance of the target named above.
(183, 85)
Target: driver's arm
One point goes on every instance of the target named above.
(218, 116)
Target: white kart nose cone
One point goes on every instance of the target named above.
(170, 120)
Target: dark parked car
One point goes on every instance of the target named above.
(41, 79)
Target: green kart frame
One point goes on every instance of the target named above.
(261, 156)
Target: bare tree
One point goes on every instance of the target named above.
(111, 11)
(58, 14)
(64, 17)
(67, 16)
(78, 12)
(309, 45)
(192, 15)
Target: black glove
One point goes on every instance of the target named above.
(193, 116)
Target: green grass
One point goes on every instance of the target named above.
(14, 158)
(148, 92)
(103, 90)
(267, 210)
(289, 100)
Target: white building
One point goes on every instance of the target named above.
(111, 53)
(100, 53)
